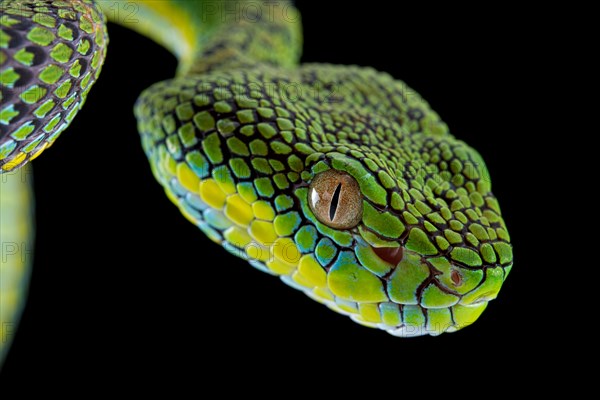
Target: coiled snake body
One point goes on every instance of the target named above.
(338, 179)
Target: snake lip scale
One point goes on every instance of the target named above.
(358, 195)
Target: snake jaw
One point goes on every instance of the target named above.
(433, 293)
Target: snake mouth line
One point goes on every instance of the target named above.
(391, 255)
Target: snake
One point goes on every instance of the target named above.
(340, 180)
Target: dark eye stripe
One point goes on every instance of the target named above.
(334, 201)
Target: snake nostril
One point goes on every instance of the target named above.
(456, 277)
(392, 255)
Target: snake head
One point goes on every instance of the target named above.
(339, 180)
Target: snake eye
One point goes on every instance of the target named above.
(335, 199)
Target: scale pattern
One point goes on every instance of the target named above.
(51, 53)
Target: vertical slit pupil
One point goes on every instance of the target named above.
(334, 201)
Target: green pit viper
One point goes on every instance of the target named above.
(340, 180)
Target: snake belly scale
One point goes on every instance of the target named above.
(338, 179)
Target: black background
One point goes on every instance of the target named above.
(121, 283)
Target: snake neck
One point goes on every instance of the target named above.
(207, 35)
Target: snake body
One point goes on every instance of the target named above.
(16, 249)
(338, 179)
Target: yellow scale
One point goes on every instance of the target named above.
(16, 162)
(253, 231)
